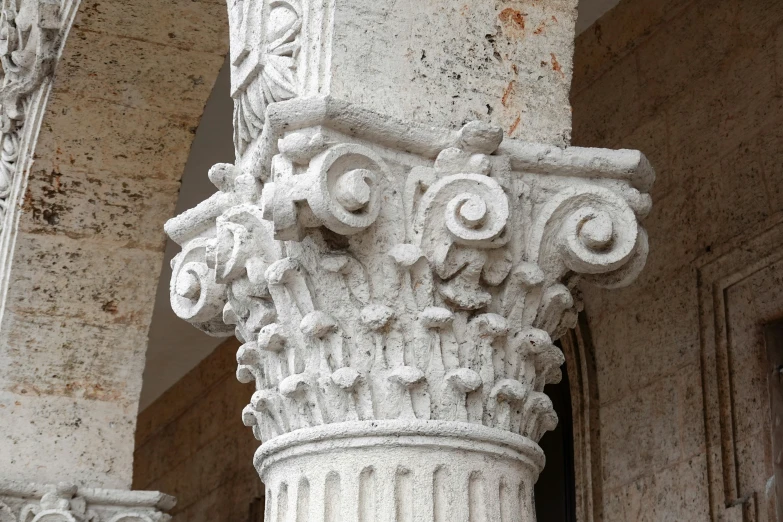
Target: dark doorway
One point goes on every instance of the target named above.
(555, 491)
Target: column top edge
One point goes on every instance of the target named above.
(101, 496)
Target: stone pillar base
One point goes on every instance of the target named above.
(399, 471)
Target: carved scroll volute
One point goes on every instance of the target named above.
(592, 231)
(340, 189)
(442, 305)
(194, 294)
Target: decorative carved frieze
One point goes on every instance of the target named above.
(29, 40)
(68, 503)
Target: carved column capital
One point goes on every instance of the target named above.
(69, 503)
(396, 282)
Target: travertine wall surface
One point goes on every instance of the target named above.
(191, 443)
(128, 95)
(697, 85)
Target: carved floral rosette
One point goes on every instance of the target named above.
(265, 44)
(68, 503)
(382, 272)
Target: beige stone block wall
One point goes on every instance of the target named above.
(128, 94)
(697, 86)
(191, 443)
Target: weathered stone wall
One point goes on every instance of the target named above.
(191, 443)
(697, 85)
(129, 91)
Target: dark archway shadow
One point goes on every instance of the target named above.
(570, 488)
(555, 491)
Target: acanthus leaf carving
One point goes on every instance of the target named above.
(408, 287)
(339, 189)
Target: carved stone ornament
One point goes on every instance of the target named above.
(29, 39)
(264, 53)
(68, 503)
(398, 290)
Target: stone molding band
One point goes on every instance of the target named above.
(21, 502)
(440, 435)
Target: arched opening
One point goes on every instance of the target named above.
(555, 491)
(570, 487)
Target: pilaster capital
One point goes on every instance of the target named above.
(69, 503)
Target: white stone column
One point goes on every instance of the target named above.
(398, 286)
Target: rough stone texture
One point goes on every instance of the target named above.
(506, 62)
(129, 91)
(696, 85)
(503, 62)
(191, 443)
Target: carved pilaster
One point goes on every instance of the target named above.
(68, 503)
(29, 42)
(398, 289)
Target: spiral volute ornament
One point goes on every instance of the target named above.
(592, 229)
(195, 296)
(345, 194)
(476, 209)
